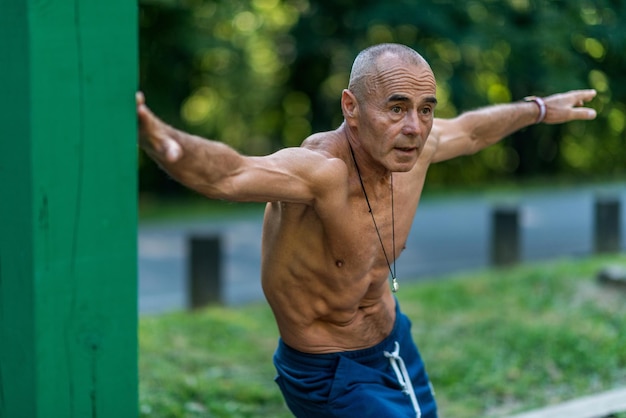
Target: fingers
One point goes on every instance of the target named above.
(581, 112)
(563, 107)
(140, 98)
(585, 96)
(584, 113)
(154, 135)
(146, 118)
(590, 94)
(142, 110)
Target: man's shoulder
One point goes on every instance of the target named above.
(328, 168)
(330, 143)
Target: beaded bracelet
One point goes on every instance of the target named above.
(542, 107)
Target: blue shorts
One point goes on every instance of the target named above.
(361, 383)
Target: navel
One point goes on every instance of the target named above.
(339, 263)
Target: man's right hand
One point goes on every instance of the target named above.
(568, 106)
(156, 137)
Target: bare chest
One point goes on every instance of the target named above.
(372, 235)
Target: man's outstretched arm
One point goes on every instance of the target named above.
(474, 130)
(219, 172)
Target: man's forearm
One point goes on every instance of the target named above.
(477, 129)
(203, 165)
(198, 163)
(489, 125)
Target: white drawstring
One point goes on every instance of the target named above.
(403, 377)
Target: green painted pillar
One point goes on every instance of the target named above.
(68, 290)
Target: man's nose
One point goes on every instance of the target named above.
(412, 124)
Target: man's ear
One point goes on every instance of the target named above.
(349, 106)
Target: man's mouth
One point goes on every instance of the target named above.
(406, 149)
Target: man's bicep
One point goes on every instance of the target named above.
(291, 175)
(450, 139)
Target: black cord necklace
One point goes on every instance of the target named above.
(394, 280)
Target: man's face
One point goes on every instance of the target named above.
(395, 117)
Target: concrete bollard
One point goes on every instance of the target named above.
(205, 271)
(505, 236)
(607, 226)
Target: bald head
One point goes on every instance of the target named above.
(366, 65)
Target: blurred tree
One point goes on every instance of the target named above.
(485, 52)
(218, 69)
(166, 58)
(263, 74)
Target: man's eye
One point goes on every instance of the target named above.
(427, 111)
(396, 109)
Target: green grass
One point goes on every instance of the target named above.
(495, 342)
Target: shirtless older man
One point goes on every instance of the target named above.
(339, 210)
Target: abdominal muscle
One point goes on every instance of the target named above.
(311, 324)
(326, 277)
(367, 327)
(323, 304)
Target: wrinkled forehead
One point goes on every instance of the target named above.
(393, 76)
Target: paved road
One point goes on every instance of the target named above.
(448, 235)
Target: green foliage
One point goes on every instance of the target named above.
(494, 342)
(218, 68)
(487, 52)
(264, 74)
